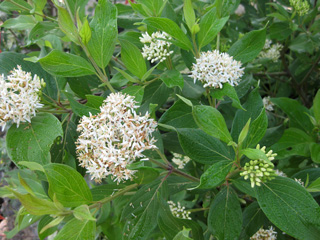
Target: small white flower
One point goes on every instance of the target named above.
(299, 181)
(180, 160)
(240, 10)
(156, 49)
(114, 138)
(19, 94)
(280, 173)
(271, 51)
(178, 211)
(268, 105)
(259, 170)
(214, 69)
(265, 234)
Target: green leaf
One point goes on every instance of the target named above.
(189, 14)
(67, 26)
(254, 154)
(170, 226)
(94, 101)
(126, 75)
(83, 213)
(170, 27)
(51, 224)
(298, 114)
(244, 132)
(314, 186)
(41, 30)
(202, 147)
(316, 107)
(215, 175)
(44, 221)
(21, 22)
(185, 100)
(79, 108)
(32, 142)
(136, 91)
(210, 26)
(85, 32)
(315, 152)
(36, 206)
(191, 89)
(293, 142)
(133, 59)
(249, 46)
(253, 106)
(290, 207)
(280, 31)
(172, 78)
(77, 230)
(183, 235)
(211, 121)
(230, 92)
(225, 215)
(16, 5)
(67, 185)
(32, 166)
(66, 65)
(145, 175)
(257, 130)
(104, 33)
(178, 115)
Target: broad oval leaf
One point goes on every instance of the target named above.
(202, 147)
(290, 207)
(249, 46)
(68, 186)
(31, 142)
(66, 65)
(77, 230)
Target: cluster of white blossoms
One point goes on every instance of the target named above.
(180, 160)
(214, 69)
(268, 105)
(178, 211)
(259, 170)
(280, 173)
(156, 46)
(114, 138)
(265, 234)
(301, 6)
(299, 181)
(271, 51)
(19, 94)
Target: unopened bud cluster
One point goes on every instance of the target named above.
(259, 170)
(271, 51)
(178, 211)
(19, 94)
(302, 7)
(114, 138)
(156, 46)
(214, 69)
(265, 234)
(180, 160)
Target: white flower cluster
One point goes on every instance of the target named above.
(299, 181)
(156, 46)
(280, 173)
(265, 234)
(180, 160)
(214, 68)
(268, 105)
(19, 94)
(302, 7)
(114, 138)
(271, 51)
(259, 170)
(178, 211)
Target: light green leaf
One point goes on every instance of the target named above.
(67, 26)
(170, 27)
(183, 235)
(210, 26)
(314, 186)
(83, 213)
(230, 92)
(189, 14)
(255, 154)
(211, 121)
(32, 166)
(133, 59)
(104, 33)
(136, 91)
(202, 147)
(215, 175)
(85, 32)
(125, 75)
(67, 185)
(316, 107)
(66, 65)
(249, 46)
(21, 22)
(32, 142)
(290, 207)
(315, 152)
(77, 230)
(225, 215)
(244, 132)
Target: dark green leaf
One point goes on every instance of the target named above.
(316, 107)
(280, 30)
(290, 207)
(172, 78)
(228, 91)
(315, 152)
(79, 108)
(225, 216)
(136, 91)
